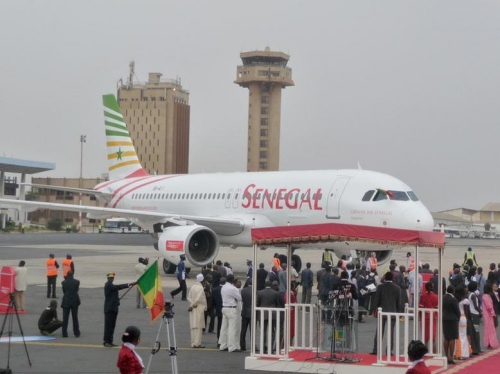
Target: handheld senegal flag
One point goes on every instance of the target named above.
(149, 285)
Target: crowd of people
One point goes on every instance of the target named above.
(220, 303)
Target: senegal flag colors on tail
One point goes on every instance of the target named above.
(150, 286)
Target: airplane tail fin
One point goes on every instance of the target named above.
(122, 157)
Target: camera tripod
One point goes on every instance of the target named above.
(168, 319)
(9, 315)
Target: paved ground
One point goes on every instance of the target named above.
(94, 256)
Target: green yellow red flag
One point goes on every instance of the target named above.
(149, 285)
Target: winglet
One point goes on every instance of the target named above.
(359, 166)
(122, 157)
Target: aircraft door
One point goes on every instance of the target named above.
(334, 196)
(236, 197)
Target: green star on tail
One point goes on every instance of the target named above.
(119, 154)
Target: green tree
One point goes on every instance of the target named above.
(55, 224)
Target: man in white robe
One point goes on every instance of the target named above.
(197, 307)
(21, 284)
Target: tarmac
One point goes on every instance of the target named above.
(97, 254)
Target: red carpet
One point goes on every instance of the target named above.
(488, 362)
(363, 359)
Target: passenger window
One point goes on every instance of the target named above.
(368, 195)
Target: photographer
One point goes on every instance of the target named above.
(140, 268)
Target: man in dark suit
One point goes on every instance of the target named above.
(111, 303)
(319, 279)
(451, 317)
(246, 312)
(261, 277)
(70, 304)
(217, 301)
(435, 281)
(268, 298)
(215, 276)
(326, 287)
(307, 280)
(387, 297)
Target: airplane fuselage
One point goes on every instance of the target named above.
(273, 199)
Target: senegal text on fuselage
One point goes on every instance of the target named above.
(280, 198)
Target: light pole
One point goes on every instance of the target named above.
(83, 139)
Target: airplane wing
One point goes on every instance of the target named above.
(224, 224)
(84, 191)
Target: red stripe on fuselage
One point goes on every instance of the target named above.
(108, 183)
(142, 185)
(129, 183)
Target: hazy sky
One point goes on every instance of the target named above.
(408, 88)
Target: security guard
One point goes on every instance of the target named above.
(68, 265)
(327, 256)
(469, 255)
(52, 267)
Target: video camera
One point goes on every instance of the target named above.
(169, 307)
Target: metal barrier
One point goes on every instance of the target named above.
(270, 332)
(427, 316)
(305, 327)
(393, 321)
(402, 330)
(273, 330)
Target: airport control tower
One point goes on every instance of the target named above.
(265, 74)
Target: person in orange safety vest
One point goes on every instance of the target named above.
(68, 265)
(52, 267)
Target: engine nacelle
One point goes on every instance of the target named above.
(199, 243)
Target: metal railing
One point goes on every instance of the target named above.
(273, 330)
(428, 319)
(400, 328)
(393, 323)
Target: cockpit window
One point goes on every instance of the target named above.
(412, 195)
(380, 195)
(368, 195)
(398, 195)
(390, 194)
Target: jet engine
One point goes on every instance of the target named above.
(199, 243)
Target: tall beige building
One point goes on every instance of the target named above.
(265, 74)
(157, 115)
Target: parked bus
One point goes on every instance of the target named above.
(121, 225)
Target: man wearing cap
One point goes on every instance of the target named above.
(48, 321)
(197, 307)
(52, 267)
(181, 278)
(140, 268)
(111, 303)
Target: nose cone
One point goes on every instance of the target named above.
(419, 218)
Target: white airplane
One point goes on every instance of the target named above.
(194, 213)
